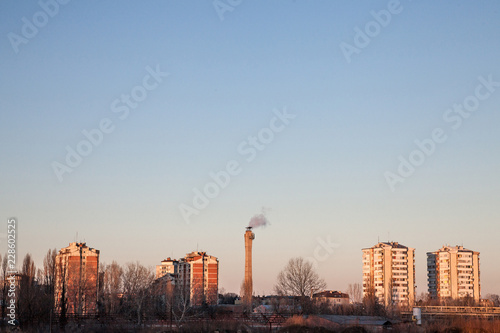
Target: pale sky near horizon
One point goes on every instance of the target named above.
(320, 173)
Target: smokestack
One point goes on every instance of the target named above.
(248, 289)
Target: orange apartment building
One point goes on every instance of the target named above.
(76, 286)
(197, 272)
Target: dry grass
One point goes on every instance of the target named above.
(464, 325)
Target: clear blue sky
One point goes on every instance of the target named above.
(321, 176)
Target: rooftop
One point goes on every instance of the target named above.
(331, 293)
(394, 245)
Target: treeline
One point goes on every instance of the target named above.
(32, 289)
(129, 293)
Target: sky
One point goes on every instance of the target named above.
(152, 129)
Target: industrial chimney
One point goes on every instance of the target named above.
(248, 289)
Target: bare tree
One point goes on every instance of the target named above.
(34, 304)
(49, 270)
(423, 299)
(298, 278)
(174, 297)
(137, 281)
(61, 292)
(355, 292)
(494, 298)
(29, 269)
(112, 287)
(372, 306)
(4, 266)
(180, 302)
(279, 304)
(27, 290)
(4, 277)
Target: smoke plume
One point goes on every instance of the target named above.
(259, 220)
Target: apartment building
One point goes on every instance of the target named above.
(389, 272)
(168, 266)
(204, 277)
(453, 273)
(197, 274)
(77, 282)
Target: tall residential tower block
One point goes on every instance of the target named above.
(77, 280)
(389, 273)
(453, 272)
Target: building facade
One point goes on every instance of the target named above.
(168, 266)
(332, 297)
(453, 273)
(77, 280)
(196, 274)
(389, 273)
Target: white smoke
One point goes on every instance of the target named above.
(259, 220)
